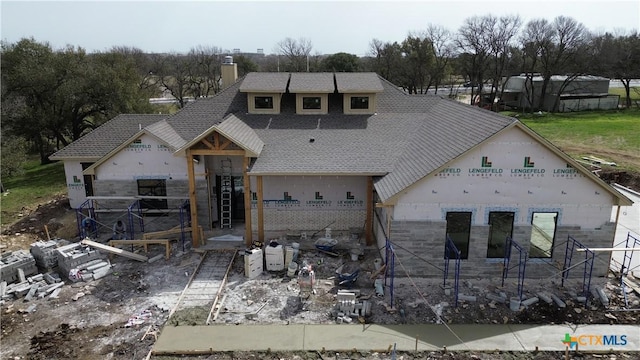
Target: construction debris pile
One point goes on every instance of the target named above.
(39, 273)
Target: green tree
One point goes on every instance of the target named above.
(417, 63)
(341, 62)
(245, 65)
(58, 96)
(13, 155)
(386, 60)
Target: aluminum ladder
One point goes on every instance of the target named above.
(225, 194)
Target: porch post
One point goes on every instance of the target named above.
(369, 222)
(260, 210)
(247, 202)
(195, 233)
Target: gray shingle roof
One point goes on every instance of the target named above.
(163, 131)
(358, 83)
(106, 137)
(408, 138)
(447, 131)
(311, 83)
(241, 134)
(265, 82)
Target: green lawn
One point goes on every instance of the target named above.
(611, 134)
(635, 95)
(38, 184)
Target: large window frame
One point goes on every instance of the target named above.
(500, 226)
(544, 225)
(459, 230)
(153, 187)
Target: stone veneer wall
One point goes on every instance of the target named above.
(305, 220)
(426, 240)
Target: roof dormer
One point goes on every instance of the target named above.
(264, 91)
(359, 92)
(312, 92)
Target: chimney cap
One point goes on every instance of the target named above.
(228, 59)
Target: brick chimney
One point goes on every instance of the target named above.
(229, 72)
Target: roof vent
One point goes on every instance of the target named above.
(312, 140)
(228, 59)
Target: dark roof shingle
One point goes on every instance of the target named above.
(311, 83)
(106, 137)
(358, 83)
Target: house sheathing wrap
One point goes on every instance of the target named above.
(351, 150)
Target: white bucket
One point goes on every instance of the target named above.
(291, 270)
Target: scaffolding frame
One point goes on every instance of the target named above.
(134, 210)
(389, 272)
(450, 248)
(624, 269)
(523, 257)
(81, 216)
(589, 257)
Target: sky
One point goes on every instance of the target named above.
(331, 26)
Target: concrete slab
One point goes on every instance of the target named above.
(203, 339)
(426, 337)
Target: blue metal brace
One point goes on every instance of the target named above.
(390, 261)
(134, 207)
(81, 218)
(449, 250)
(522, 263)
(589, 256)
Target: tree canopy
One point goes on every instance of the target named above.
(54, 97)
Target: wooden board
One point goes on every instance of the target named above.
(114, 250)
(145, 243)
(158, 234)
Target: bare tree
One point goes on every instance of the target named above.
(474, 40)
(204, 70)
(174, 76)
(501, 39)
(618, 57)
(442, 50)
(558, 46)
(295, 54)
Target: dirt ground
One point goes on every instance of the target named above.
(95, 325)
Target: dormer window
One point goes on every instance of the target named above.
(263, 102)
(264, 91)
(311, 103)
(359, 91)
(359, 103)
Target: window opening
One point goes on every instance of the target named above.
(359, 102)
(543, 231)
(263, 102)
(311, 103)
(459, 230)
(501, 226)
